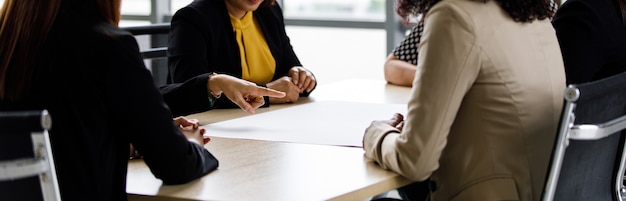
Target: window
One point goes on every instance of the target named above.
(345, 10)
(136, 7)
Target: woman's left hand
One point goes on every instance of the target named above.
(302, 78)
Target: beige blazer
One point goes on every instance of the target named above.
(484, 109)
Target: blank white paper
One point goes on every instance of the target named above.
(322, 122)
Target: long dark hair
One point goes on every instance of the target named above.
(24, 27)
(519, 10)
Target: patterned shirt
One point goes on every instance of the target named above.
(407, 50)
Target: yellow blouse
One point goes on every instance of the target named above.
(257, 63)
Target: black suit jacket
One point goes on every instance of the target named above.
(592, 39)
(202, 41)
(101, 97)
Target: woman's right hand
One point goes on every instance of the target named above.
(247, 95)
(189, 128)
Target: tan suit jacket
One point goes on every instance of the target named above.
(484, 108)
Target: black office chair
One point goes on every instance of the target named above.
(588, 157)
(156, 53)
(27, 169)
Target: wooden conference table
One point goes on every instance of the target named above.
(270, 170)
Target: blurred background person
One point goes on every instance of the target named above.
(241, 38)
(592, 35)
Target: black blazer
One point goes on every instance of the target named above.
(592, 39)
(101, 97)
(202, 41)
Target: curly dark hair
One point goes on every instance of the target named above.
(519, 10)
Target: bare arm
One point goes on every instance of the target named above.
(399, 72)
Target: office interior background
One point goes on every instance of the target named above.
(335, 39)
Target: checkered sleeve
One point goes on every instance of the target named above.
(407, 50)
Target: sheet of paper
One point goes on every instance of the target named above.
(321, 122)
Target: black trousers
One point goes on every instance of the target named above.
(416, 191)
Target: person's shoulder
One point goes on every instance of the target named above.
(461, 11)
(108, 30)
(103, 40)
(91, 34)
(460, 4)
(477, 13)
(199, 8)
(201, 14)
(592, 12)
(576, 4)
(191, 8)
(455, 7)
(594, 6)
(274, 10)
(598, 7)
(106, 33)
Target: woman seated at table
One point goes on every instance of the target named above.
(242, 38)
(69, 57)
(484, 110)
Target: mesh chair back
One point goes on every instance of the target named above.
(588, 159)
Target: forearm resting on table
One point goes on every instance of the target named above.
(399, 72)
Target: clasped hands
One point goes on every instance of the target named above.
(298, 81)
(190, 128)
